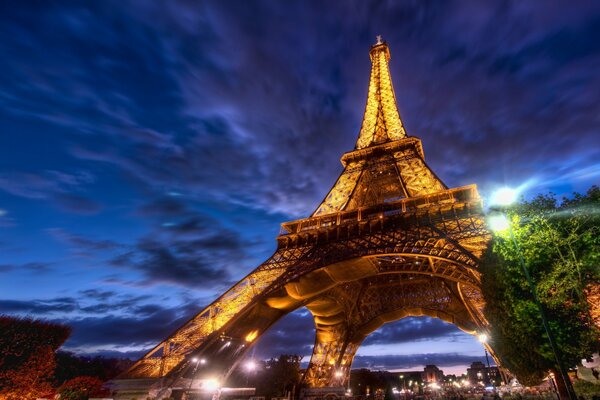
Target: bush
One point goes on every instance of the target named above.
(82, 388)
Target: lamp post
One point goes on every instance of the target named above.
(195, 361)
(403, 386)
(483, 339)
(498, 222)
(250, 367)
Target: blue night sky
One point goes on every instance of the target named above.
(149, 150)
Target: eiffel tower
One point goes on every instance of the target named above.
(390, 240)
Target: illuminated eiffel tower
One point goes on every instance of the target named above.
(390, 240)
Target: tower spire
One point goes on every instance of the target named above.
(381, 120)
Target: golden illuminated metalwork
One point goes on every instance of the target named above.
(390, 240)
(381, 121)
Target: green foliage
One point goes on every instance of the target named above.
(560, 243)
(271, 378)
(27, 360)
(587, 390)
(363, 378)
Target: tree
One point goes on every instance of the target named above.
(560, 244)
(81, 388)
(271, 378)
(69, 366)
(27, 361)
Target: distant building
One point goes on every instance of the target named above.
(432, 374)
(450, 380)
(479, 374)
(411, 380)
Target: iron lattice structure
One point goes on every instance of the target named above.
(389, 240)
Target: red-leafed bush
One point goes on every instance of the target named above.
(27, 360)
(82, 388)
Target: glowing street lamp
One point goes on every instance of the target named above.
(251, 365)
(504, 197)
(498, 222)
(194, 360)
(483, 338)
(403, 385)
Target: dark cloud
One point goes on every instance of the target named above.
(59, 187)
(296, 333)
(37, 267)
(395, 362)
(77, 204)
(163, 207)
(39, 307)
(143, 330)
(88, 302)
(126, 322)
(412, 329)
(185, 248)
(293, 334)
(81, 244)
(96, 294)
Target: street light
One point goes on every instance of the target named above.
(251, 365)
(498, 223)
(504, 196)
(194, 360)
(483, 338)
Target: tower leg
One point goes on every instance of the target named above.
(332, 357)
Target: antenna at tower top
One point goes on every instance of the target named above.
(379, 39)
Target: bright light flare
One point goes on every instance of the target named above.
(504, 197)
(498, 223)
(251, 365)
(211, 384)
(482, 338)
(339, 374)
